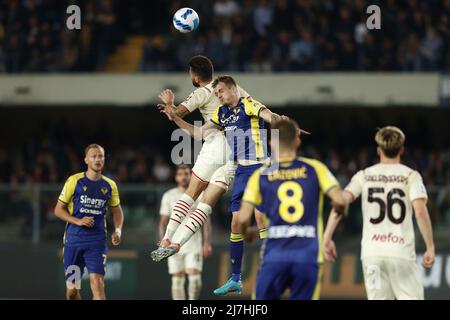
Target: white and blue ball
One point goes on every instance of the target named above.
(185, 20)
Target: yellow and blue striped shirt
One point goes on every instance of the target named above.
(244, 129)
(85, 197)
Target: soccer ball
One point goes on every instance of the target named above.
(185, 20)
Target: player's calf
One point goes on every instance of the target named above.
(97, 286)
(178, 280)
(195, 284)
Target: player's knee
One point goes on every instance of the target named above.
(193, 272)
(72, 294)
(97, 283)
(235, 224)
(178, 274)
(196, 186)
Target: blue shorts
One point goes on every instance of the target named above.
(301, 278)
(241, 178)
(93, 257)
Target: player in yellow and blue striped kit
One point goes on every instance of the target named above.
(82, 204)
(290, 193)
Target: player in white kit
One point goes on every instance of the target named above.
(212, 168)
(390, 193)
(189, 260)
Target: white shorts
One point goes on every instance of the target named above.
(188, 260)
(214, 154)
(224, 176)
(392, 278)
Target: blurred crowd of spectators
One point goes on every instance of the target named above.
(310, 35)
(34, 36)
(239, 35)
(46, 160)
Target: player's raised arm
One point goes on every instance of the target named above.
(269, 116)
(197, 133)
(168, 97)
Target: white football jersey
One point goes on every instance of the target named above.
(206, 101)
(168, 201)
(387, 192)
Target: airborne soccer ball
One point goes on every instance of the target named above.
(185, 20)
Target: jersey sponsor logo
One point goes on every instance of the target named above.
(232, 128)
(277, 232)
(231, 119)
(91, 211)
(92, 202)
(385, 179)
(289, 174)
(389, 238)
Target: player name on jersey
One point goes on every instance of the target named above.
(288, 174)
(385, 179)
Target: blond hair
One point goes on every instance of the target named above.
(391, 140)
(93, 146)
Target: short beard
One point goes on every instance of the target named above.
(195, 84)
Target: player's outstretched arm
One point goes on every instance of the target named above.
(62, 212)
(117, 214)
(426, 230)
(269, 116)
(198, 133)
(329, 247)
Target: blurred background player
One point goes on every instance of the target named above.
(190, 258)
(242, 119)
(290, 193)
(82, 204)
(390, 193)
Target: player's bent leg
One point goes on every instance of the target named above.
(182, 207)
(212, 194)
(196, 187)
(195, 222)
(97, 286)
